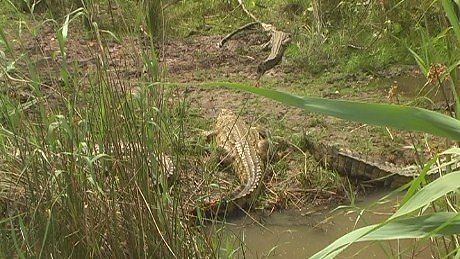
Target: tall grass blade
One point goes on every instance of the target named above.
(452, 16)
(433, 191)
(417, 182)
(46, 233)
(388, 115)
(420, 62)
(4, 40)
(415, 227)
(63, 33)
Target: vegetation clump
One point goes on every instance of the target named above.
(90, 105)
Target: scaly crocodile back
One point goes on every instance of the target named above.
(241, 144)
(351, 165)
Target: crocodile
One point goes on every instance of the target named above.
(279, 41)
(352, 165)
(245, 150)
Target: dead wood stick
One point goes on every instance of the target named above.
(230, 35)
(267, 27)
(247, 11)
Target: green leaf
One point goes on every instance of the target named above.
(111, 34)
(4, 40)
(415, 227)
(63, 33)
(415, 184)
(433, 191)
(418, 181)
(387, 115)
(97, 157)
(420, 62)
(65, 28)
(452, 16)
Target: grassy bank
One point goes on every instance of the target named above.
(85, 117)
(79, 149)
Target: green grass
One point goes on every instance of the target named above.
(80, 177)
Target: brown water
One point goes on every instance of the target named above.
(415, 86)
(293, 234)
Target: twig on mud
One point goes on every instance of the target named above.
(230, 35)
(312, 190)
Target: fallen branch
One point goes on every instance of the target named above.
(247, 12)
(230, 35)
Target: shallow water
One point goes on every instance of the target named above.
(414, 86)
(300, 234)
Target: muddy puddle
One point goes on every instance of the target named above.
(415, 87)
(300, 234)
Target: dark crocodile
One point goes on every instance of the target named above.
(279, 42)
(353, 166)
